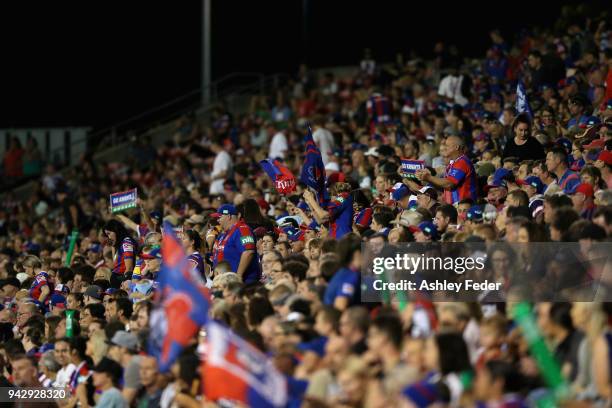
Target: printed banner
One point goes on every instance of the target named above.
(409, 167)
(123, 200)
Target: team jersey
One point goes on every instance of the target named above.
(340, 209)
(344, 283)
(40, 280)
(197, 263)
(363, 218)
(126, 251)
(229, 247)
(379, 109)
(78, 376)
(462, 174)
(569, 181)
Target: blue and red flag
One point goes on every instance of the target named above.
(182, 303)
(235, 370)
(313, 170)
(522, 103)
(281, 176)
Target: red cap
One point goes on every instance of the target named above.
(595, 144)
(336, 178)
(606, 157)
(585, 189)
(263, 204)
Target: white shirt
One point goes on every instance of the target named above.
(450, 87)
(278, 146)
(222, 163)
(63, 376)
(325, 142)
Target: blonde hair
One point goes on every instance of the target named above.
(100, 347)
(32, 261)
(226, 278)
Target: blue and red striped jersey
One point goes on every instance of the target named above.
(126, 250)
(463, 176)
(229, 247)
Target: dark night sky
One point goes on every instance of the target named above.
(82, 64)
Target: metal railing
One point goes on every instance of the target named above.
(227, 89)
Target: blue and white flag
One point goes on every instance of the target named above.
(522, 103)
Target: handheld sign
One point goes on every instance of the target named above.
(123, 200)
(409, 167)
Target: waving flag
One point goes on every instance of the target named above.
(281, 176)
(313, 170)
(235, 370)
(522, 104)
(182, 305)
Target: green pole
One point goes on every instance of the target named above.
(548, 365)
(73, 238)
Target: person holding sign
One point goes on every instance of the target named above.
(459, 181)
(236, 245)
(124, 250)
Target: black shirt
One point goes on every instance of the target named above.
(530, 150)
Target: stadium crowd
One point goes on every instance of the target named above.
(284, 269)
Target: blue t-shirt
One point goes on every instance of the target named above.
(344, 283)
(341, 215)
(229, 247)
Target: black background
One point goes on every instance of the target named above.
(68, 63)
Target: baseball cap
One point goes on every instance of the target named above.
(606, 157)
(124, 339)
(294, 234)
(153, 253)
(110, 367)
(372, 151)
(428, 228)
(93, 291)
(226, 209)
(486, 115)
(399, 191)
(595, 144)
(475, 214)
(94, 247)
(588, 122)
(157, 216)
(584, 188)
(430, 191)
(533, 181)
(58, 301)
(195, 219)
(408, 218)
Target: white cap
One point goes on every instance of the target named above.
(332, 166)
(372, 151)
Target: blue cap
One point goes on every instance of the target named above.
(154, 253)
(475, 213)
(58, 300)
(294, 234)
(565, 143)
(399, 191)
(499, 178)
(588, 122)
(95, 247)
(534, 182)
(486, 115)
(156, 215)
(429, 228)
(227, 209)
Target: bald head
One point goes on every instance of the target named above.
(454, 146)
